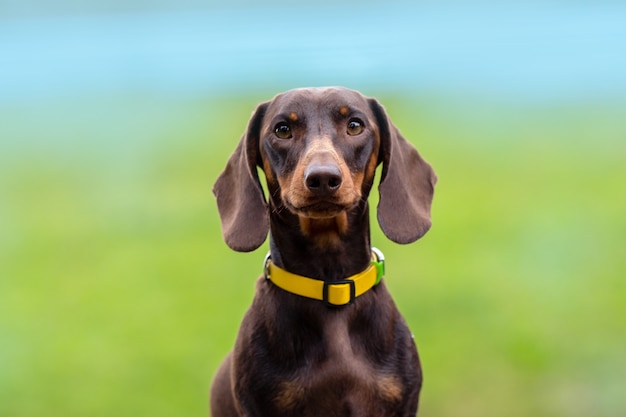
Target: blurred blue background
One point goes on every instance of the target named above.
(117, 294)
(532, 50)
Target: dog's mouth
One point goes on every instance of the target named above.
(319, 209)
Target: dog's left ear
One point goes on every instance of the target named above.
(240, 199)
(407, 184)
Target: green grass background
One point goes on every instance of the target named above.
(118, 296)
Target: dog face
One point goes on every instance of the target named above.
(319, 148)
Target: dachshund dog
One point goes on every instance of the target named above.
(323, 336)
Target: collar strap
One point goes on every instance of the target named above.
(333, 293)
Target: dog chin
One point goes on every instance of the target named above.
(319, 210)
(320, 214)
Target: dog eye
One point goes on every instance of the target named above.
(283, 130)
(355, 127)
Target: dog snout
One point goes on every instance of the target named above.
(322, 178)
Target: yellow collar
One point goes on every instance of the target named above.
(333, 293)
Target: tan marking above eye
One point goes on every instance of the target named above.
(344, 110)
(293, 116)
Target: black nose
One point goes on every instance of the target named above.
(322, 179)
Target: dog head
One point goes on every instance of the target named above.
(319, 149)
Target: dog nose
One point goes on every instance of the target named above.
(322, 179)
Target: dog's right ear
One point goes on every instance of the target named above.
(240, 199)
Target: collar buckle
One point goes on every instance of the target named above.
(329, 285)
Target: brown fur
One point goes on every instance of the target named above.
(296, 356)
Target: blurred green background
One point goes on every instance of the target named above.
(118, 296)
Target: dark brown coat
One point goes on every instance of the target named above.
(318, 149)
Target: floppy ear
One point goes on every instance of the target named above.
(240, 199)
(406, 186)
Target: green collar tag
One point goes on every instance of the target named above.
(379, 263)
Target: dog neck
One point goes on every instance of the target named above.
(326, 249)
